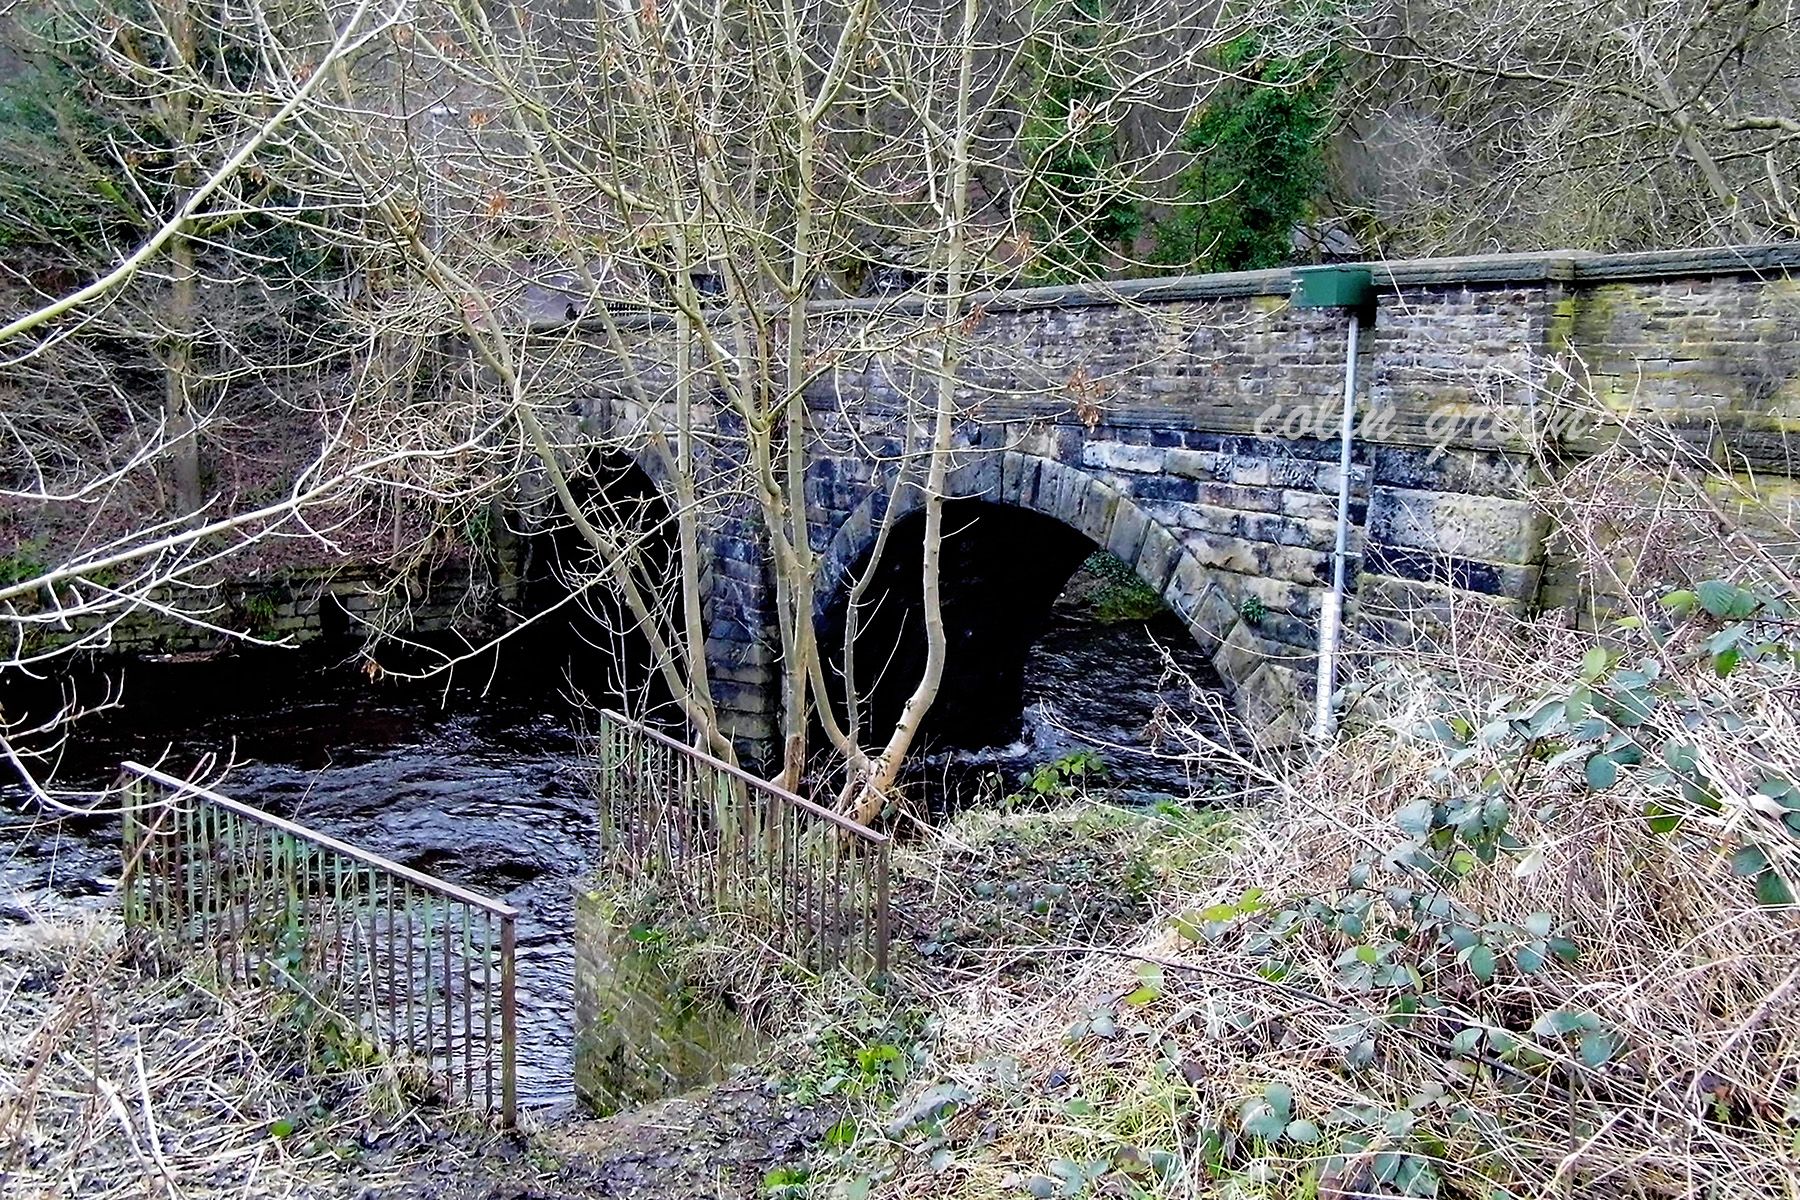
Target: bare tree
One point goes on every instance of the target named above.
(632, 211)
(684, 183)
(1631, 124)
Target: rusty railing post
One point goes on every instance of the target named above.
(509, 1025)
(291, 901)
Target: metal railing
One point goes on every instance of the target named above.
(713, 839)
(416, 966)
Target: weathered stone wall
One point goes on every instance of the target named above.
(1190, 427)
(642, 1034)
(299, 608)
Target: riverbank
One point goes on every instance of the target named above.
(111, 1075)
(118, 1082)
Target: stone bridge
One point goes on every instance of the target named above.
(1189, 426)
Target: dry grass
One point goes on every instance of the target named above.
(1658, 1056)
(117, 1083)
(1697, 983)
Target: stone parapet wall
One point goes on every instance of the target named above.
(1190, 425)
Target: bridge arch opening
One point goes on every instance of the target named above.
(1047, 632)
(582, 638)
(1002, 569)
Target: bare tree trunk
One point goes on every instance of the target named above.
(871, 791)
(179, 417)
(180, 314)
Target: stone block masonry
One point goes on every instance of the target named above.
(642, 1033)
(297, 608)
(1189, 426)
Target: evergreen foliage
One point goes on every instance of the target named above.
(1259, 164)
(1080, 209)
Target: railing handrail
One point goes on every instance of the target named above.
(430, 883)
(763, 785)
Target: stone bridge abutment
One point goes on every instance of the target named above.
(1189, 427)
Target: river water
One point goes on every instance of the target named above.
(487, 790)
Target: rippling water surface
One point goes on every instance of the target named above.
(487, 790)
(484, 792)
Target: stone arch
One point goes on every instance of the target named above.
(1265, 658)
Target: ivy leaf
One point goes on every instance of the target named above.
(1749, 860)
(1575, 708)
(1415, 818)
(1633, 706)
(1445, 732)
(1303, 1132)
(1560, 1021)
(1416, 1178)
(1726, 639)
(1724, 600)
(1773, 890)
(1782, 792)
(1680, 602)
(1262, 1121)
(1596, 1047)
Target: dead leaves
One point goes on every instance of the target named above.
(1088, 394)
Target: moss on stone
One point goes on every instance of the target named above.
(1111, 591)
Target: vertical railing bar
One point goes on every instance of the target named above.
(393, 999)
(189, 813)
(685, 775)
(468, 1013)
(787, 911)
(487, 1004)
(373, 956)
(151, 859)
(823, 911)
(411, 974)
(359, 944)
(252, 906)
(216, 861)
(509, 1028)
(838, 843)
(228, 893)
(430, 1048)
(128, 849)
(336, 948)
(449, 1028)
(881, 908)
(207, 935)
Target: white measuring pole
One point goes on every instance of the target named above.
(1331, 622)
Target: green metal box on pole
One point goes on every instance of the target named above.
(1337, 287)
